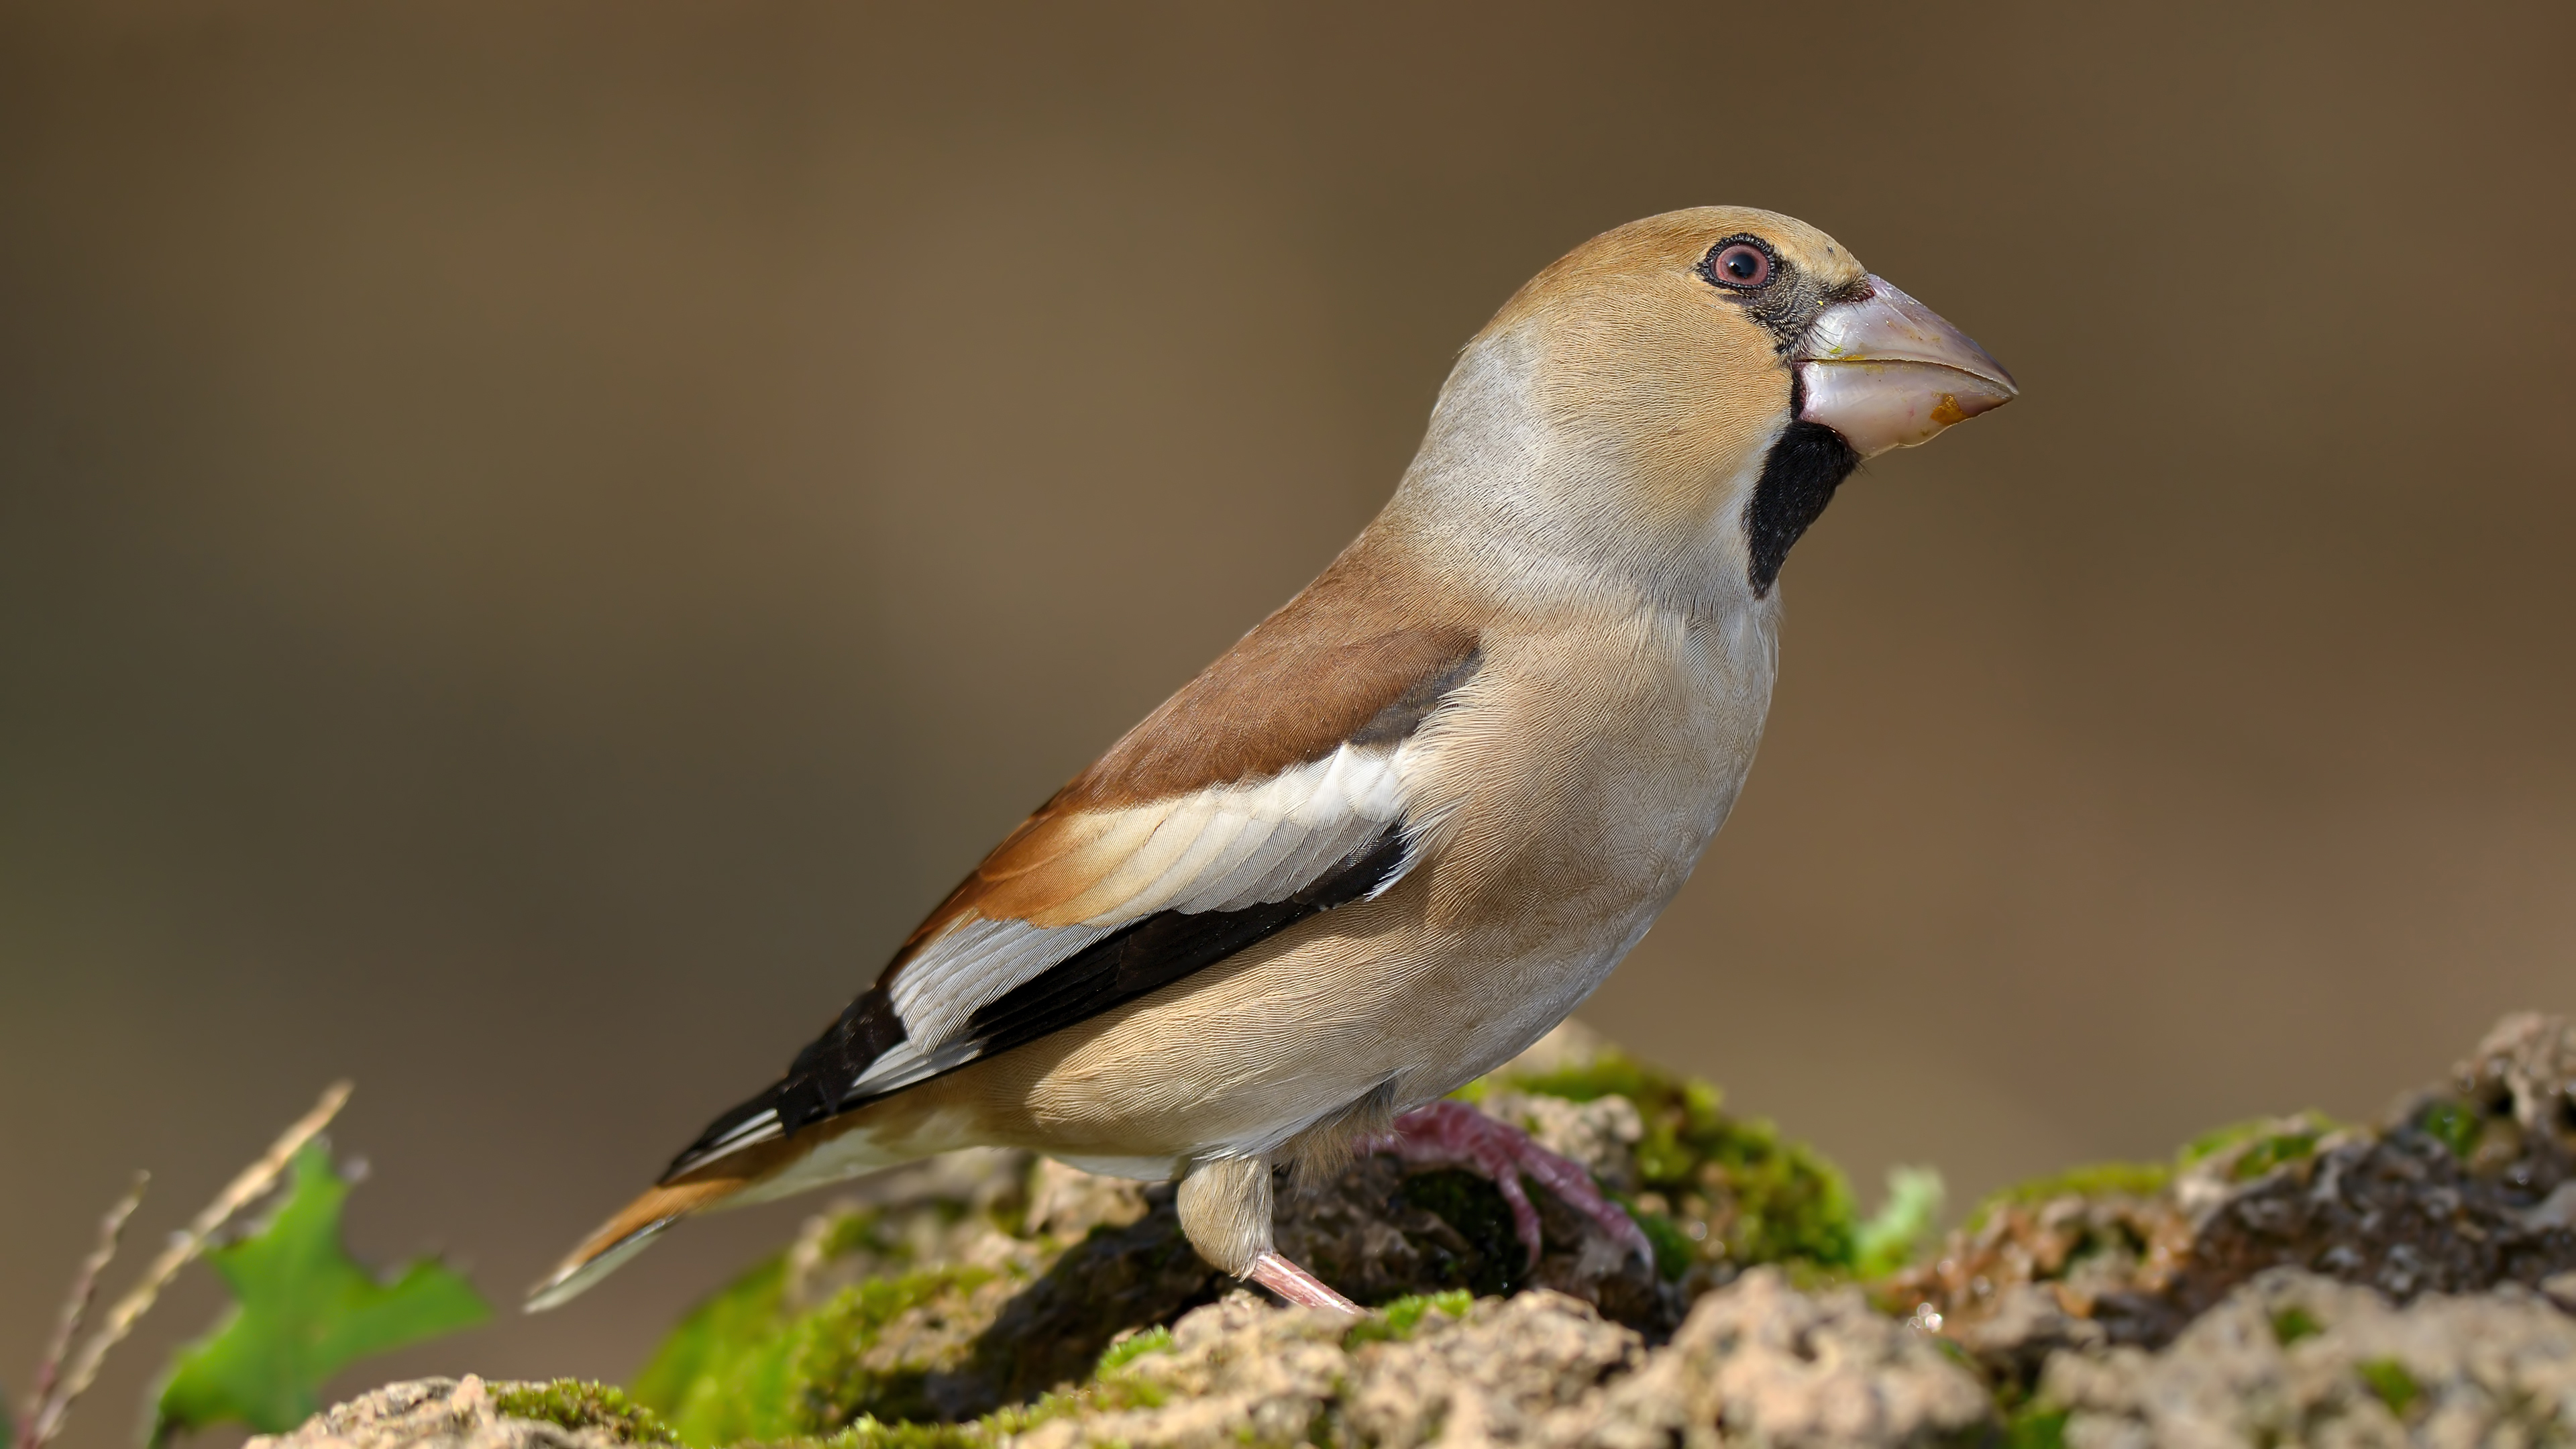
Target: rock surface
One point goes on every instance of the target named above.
(1761, 1363)
(1756, 1362)
(456, 1414)
(2468, 1185)
(978, 1282)
(2293, 1358)
(2292, 1281)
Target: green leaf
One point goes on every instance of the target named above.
(303, 1311)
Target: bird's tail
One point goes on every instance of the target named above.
(624, 1235)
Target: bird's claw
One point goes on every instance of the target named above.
(1453, 1134)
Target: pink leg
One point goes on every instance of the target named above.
(1453, 1134)
(1299, 1287)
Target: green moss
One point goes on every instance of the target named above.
(2094, 1180)
(2390, 1381)
(1472, 1204)
(1764, 1199)
(831, 1381)
(576, 1404)
(1407, 1313)
(876, 1434)
(741, 1368)
(1674, 1249)
(2262, 1145)
(1121, 1394)
(2294, 1323)
(2219, 1139)
(871, 1432)
(721, 1375)
(2035, 1426)
(1131, 1348)
(1398, 1321)
(1021, 1418)
(2266, 1143)
(2272, 1151)
(2453, 1123)
(1115, 1394)
(1613, 1073)
(1788, 1202)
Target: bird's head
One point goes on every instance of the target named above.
(1695, 382)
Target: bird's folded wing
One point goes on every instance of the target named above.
(1271, 788)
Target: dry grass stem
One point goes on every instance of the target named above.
(76, 1305)
(254, 1180)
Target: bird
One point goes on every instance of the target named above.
(1411, 820)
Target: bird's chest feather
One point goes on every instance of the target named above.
(1585, 775)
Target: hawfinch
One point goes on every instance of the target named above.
(1406, 824)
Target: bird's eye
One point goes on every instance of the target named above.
(1738, 264)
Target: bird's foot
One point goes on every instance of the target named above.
(1301, 1288)
(1453, 1134)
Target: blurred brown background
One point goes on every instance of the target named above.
(535, 539)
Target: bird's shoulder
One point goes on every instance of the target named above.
(1348, 671)
(1348, 661)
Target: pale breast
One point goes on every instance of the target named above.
(1587, 783)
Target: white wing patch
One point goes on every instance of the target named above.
(968, 967)
(1218, 849)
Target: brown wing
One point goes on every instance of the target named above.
(1268, 789)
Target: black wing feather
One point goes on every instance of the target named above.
(1110, 972)
(1163, 948)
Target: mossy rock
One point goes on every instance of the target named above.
(580, 1404)
(915, 1321)
(1712, 1188)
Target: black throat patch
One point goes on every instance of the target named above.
(1798, 479)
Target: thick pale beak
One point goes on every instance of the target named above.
(1886, 372)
